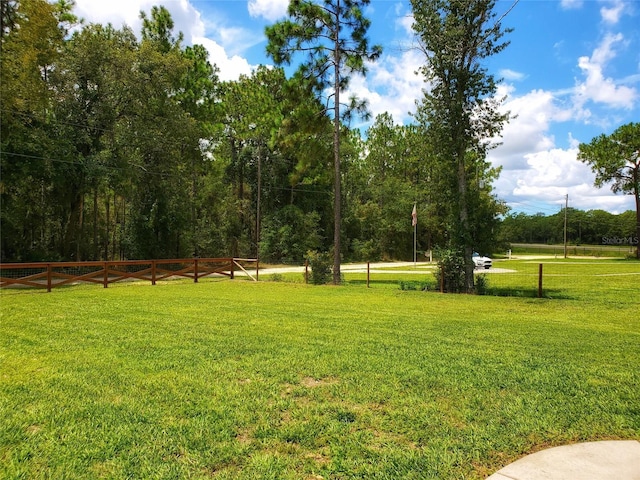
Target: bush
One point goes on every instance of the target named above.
(421, 286)
(276, 277)
(482, 284)
(452, 264)
(321, 267)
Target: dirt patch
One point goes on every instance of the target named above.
(311, 382)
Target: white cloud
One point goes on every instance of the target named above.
(537, 172)
(391, 85)
(271, 10)
(571, 4)
(528, 130)
(231, 67)
(512, 75)
(612, 14)
(553, 170)
(405, 23)
(185, 17)
(552, 174)
(116, 12)
(598, 88)
(236, 40)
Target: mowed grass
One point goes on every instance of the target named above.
(242, 380)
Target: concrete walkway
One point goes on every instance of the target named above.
(606, 460)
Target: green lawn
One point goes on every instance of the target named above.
(235, 379)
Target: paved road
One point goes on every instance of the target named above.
(380, 268)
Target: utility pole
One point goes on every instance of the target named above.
(566, 205)
(258, 203)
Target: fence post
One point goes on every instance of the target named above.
(153, 272)
(257, 269)
(540, 281)
(105, 280)
(368, 272)
(233, 268)
(306, 271)
(442, 279)
(49, 274)
(195, 270)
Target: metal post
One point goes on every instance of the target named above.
(368, 274)
(540, 281)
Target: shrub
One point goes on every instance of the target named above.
(321, 267)
(451, 264)
(482, 284)
(421, 286)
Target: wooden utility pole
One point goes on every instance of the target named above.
(566, 205)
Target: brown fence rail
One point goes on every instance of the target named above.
(56, 274)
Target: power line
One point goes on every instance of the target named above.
(507, 12)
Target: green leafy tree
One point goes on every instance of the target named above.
(31, 41)
(199, 95)
(383, 184)
(159, 144)
(8, 14)
(158, 29)
(460, 112)
(615, 159)
(333, 34)
(253, 109)
(276, 146)
(89, 103)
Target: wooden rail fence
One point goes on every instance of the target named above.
(56, 274)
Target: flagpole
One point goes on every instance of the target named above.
(414, 222)
(415, 244)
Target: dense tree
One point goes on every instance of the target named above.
(333, 34)
(277, 145)
(590, 227)
(460, 111)
(31, 43)
(158, 29)
(98, 116)
(383, 183)
(8, 14)
(615, 159)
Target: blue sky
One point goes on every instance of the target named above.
(571, 72)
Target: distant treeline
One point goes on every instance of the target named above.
(592, 227)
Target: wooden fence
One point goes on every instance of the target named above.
(56, 274)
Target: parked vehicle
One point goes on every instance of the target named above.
(481, 262)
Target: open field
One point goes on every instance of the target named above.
(243, 380)
(574, 250)
(573, 278)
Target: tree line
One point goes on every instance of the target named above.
(117, 146)
(590, 227)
